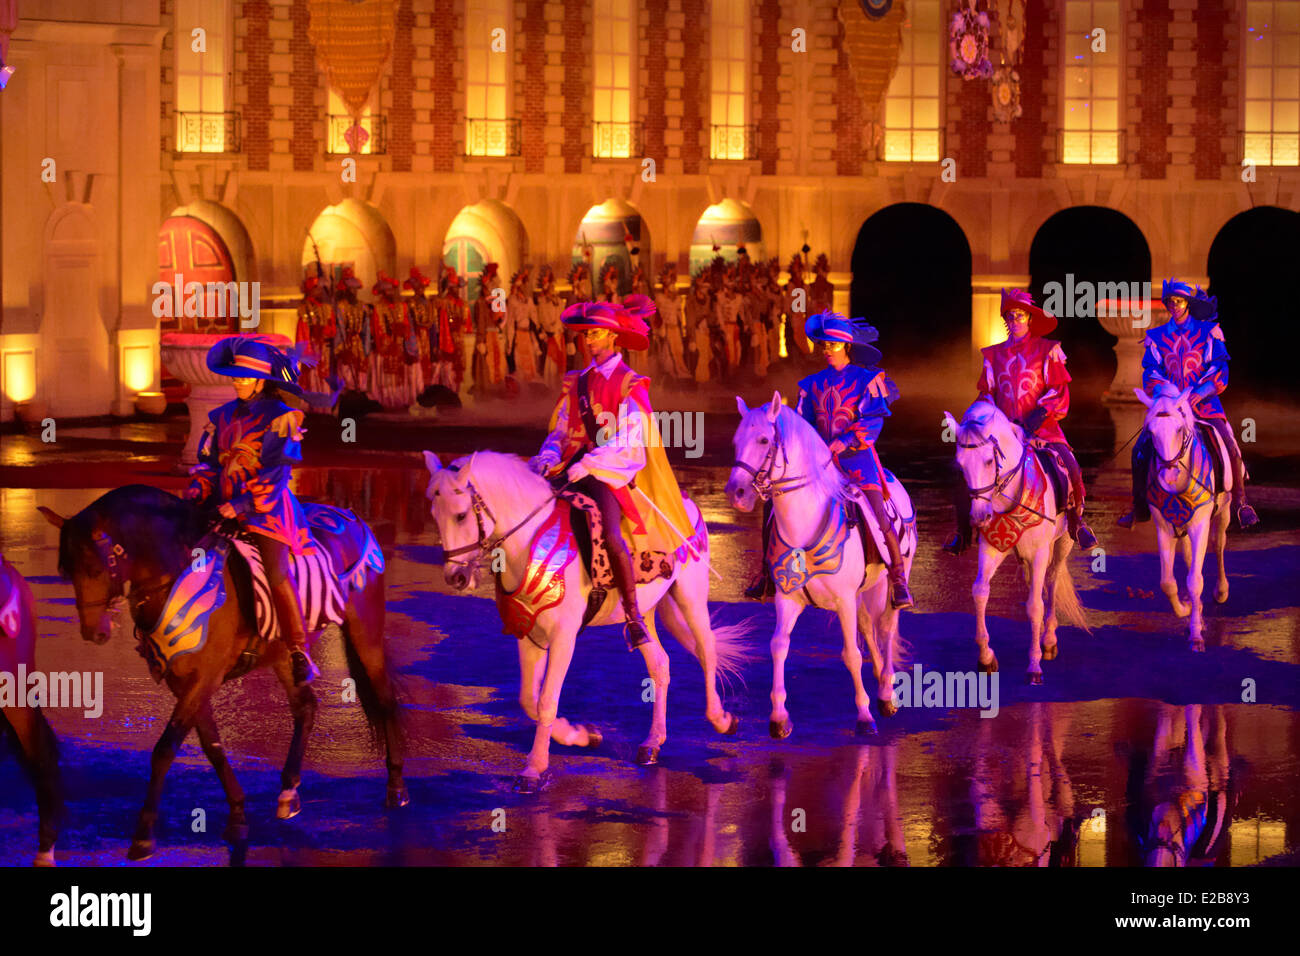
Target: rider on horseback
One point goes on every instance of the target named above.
(604, 440)
(1188, 351)
(247, 450)
(848, 404)
(1025, 377)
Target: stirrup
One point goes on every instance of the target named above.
(304, 668)
(1246, 517)
(899, 596)
(761, 588)
(957, 543)
(635, 634)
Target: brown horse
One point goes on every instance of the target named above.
(144, 537)
(37, 745)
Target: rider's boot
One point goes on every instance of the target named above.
(292, 631)
(762, 586)
(1079, 529)
(1246, 516)
(620, 563)
(1141, 510)
(899, 596)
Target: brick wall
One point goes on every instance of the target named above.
(695, 82)
(1036, 127)
(970, 124)
(652, 55)
(530, 83)
(770, 44)
(1148, 48)
(257, 81)
(446, 126)
(1214, 98)
(401, 114)
(577, 82)
(304, 79)
(849, 112)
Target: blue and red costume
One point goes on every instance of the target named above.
(850, 404)
(1188, 353)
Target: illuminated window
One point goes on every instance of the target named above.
(487, 78)
(1090, 124)
(202, 124)
(340, 121)
(1272, 47)
(729, 29)
(612, 96)
(912, 102)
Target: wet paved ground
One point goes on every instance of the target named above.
(1069, 772)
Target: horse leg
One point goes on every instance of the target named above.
(206, 725)
(1221, 519)
(990, 560)
(1198, 535)
(1060, 551)
(363, 636)
(302, 705)
(559, 655)
(532, 668)
(852, 657)
(689, 623)
(656, 663)
(788, 609)
(1165, 544)
(38, 751)
(1034, 608)
(164, 752)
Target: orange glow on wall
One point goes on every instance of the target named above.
(137, 367)
(20, 376)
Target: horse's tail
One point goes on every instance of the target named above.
(1068, 607)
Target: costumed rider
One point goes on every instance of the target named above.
(605, 443)
(1026, 378)
(245, 455)
(1188, 351)
(848, 403)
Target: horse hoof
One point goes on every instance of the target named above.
(289, 806)
(235, 833)
(44, 858)
(526, 784)
(1198, 647)
(864, 728)
(780, 729)
(398, 796)
(990, 668)
(140, 850)
(594, 737)
(1220, 596)
(887, 707)
(647, 756)
(733, 727)
(1034, 678)
(1051, 653)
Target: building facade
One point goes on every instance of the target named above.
(513, 130)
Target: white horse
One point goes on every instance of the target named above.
(1014, 507)
(489, 501)
(1186, 503)
(779, 454)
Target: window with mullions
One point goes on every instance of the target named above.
(1271, 128)
(487, 79)
(614, 131)
(1090, 101)
(203, 124)
(729, 33)
(912, 101)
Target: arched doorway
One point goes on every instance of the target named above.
(912, 281)
(189, 250)
(1087, 245)
(1251, 263)
(488, 231)
(613, 230)
(352, 233)
(726, 225)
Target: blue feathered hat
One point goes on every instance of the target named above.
(833, 327)
(255, 356)
(1204, 306)
(1174, 287)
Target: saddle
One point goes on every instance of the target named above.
(589, 534)
(1222, 461)
(1057, 476)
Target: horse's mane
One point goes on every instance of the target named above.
(502, 477)
(805, 444)
(148, 521)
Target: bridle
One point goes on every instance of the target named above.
(1000, 481)
(765, 486)
(485, 545)
(1187, 431)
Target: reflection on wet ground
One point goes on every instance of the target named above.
(1134, 751)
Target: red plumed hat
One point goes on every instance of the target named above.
(1040, 322)
(630, 329)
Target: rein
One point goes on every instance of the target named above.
(484, 545)
(1177, 461)
(998, 485)
(765, 486)
(114, 557)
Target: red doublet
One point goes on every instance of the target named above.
(1020, 376)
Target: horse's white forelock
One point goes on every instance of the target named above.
(504, 481)
(808, 452)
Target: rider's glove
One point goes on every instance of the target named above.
(1034, 420)
(577, 472)
(542, 463)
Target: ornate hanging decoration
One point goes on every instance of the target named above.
(1005, 88)
(968, 42)
(1006, 94)
(353, 39)
(872, 41)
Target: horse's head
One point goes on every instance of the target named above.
(462, 528)
(81, 562)
(1170, 421)
(988, 446)
(756, 442)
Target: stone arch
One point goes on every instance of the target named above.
(487, 231)
(1250, 261)
(75, 365)
(911, 270)
(1083, 246)
(230, 228)
(604, 227)
(728, 224)
(355, 232)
